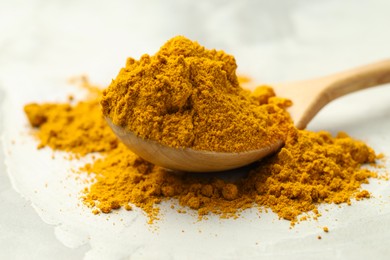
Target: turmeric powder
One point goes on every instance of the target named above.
(71, 128)
(311, 168)
(187, 96)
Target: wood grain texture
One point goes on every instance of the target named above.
(310, 96)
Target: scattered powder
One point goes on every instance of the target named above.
(71, 128)
(326, 229)
(178, 94)
(311, 168)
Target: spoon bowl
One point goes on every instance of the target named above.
(187, 159)
(308, 96)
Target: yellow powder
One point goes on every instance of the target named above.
(311, 168)
(188, 96)
(71, 128)
(326, 229)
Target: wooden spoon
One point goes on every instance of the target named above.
(308, 96)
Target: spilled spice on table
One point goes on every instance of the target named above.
(312, 168)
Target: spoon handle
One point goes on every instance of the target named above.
(310, 96)
(367, 76)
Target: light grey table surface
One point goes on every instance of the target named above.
(23, 235)
(68, 38)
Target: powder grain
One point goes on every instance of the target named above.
(188, 96)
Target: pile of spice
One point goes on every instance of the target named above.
(188, 96)
(311, 168)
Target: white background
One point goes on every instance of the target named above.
(49, 41)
